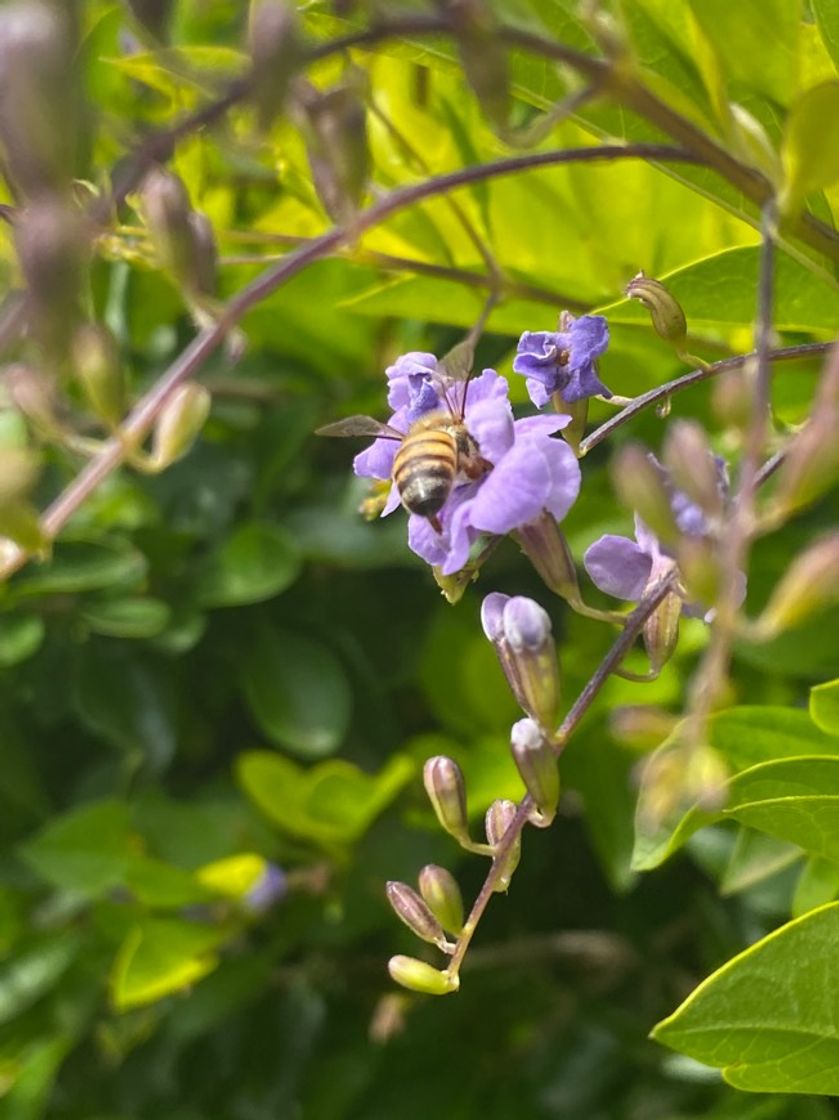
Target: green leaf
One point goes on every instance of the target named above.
(747, 735)
(824, 706)
(130, 701)
(297, 691)
(332, 803)
(827, 18)
(736, 29)
(78, 566)
(159, 884)
(160, 957)
(33, 972)
(755, 857)
(85, 850)
(257, 562)
(769, 1018)
(20, 636)
(720, 290)
(139, 617)
(817, 884)
(744, 737)
(794, 799)
(810, 148)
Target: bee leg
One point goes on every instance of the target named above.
(435, 523)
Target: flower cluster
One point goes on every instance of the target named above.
(531, 473)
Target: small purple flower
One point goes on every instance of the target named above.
(624, 568)
(269, 889)
(564, 361)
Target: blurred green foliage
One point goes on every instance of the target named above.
(221, 669)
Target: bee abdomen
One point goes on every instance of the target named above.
(424, 471)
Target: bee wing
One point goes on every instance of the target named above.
(360, 426)
(457, 367)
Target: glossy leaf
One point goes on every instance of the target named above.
(20, 637)
(126, 618)
(297, 691)
(769, 1037)
(256, 563)
(159, 957)
(824, 706)
(332, 803)
(810, 150)
(86, 850)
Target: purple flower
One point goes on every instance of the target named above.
(531, 473)
(624, 568)
(564, 361)
(271, 887)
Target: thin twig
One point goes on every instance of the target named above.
(621, 646)
(141, 418)
(661, 392)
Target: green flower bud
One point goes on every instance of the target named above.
(810, 584)
(520, 630)
(537, 765)
(441, 893)
(410, 908)
(661, 631)
(483, 56)
(446, 791)
(38, 109)
(33, 394)
(418, 976)
(98, 368)
(19, 521)
(276, 52)
(336, 142)
(204, 254)
(640, 487)
(667, 316)
(499, 817)
(51, 247)
(642, 726)
(693, 466)
(19, 467)
(699, 569)
(544, 544)
(183, 240)
(178, 424)
(811, 466)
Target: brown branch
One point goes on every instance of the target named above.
(661, 392)
(141, 418)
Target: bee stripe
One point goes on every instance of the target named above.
(425, 464)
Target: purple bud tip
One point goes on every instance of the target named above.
(270, 888)
(492, 615)
(526, 624)
(526, 734)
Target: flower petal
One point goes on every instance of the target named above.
(515, 492)
(490, 423)
(618, 566)
(565, 477)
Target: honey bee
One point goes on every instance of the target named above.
(436, 451)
